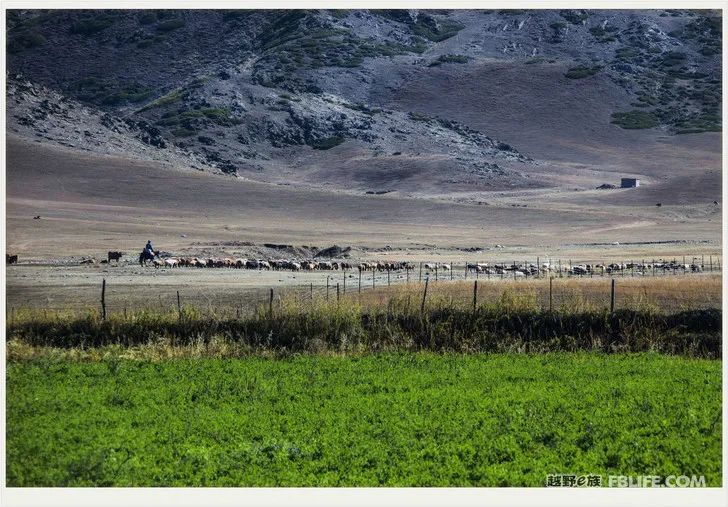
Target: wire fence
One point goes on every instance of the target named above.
(660, 284)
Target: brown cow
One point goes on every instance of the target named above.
(115, 256)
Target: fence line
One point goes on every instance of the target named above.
(428, 272)
(598, 295)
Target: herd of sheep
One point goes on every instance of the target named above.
(513, 269)
(527, 269)
(277, 264)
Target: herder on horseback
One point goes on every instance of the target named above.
(147, 254)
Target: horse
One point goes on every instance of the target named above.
(144, 257)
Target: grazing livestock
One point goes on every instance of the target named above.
(11, 259)
(114, 256)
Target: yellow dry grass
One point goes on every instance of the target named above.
(664, 293)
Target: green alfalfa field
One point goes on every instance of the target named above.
(376, 419)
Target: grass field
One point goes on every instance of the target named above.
(381, 390)
(411, 419)
(664, 293)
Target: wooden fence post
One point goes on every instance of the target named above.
(344, 282)
(420, 279)
(359, 280)
(374, 275)
(424, 296)
(327, 287)
(613, 298)
(538, 267)
(179, 306)
(103, 299)
(475, 295)
(311, 291)
(452, 269)
(270, 305)
(337, 293)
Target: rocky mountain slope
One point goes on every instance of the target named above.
(367, 101)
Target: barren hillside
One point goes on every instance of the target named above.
(423, 103)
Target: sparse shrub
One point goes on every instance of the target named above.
(450, 59)
(420, 117)
(327, 143)
(575, 17)
(183, 132)
(232, 15)
(170, 98)
(436, 30)
(145, 43)
(635, 120)
(339, 13)
(581, 72)
(170, 25)
(25, 41)
(128, 94)
(91, 26)
(672, 58)
(148, 18)
(626, 53)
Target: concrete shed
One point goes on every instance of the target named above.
(630, 183)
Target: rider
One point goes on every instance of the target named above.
(149, 249)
